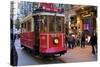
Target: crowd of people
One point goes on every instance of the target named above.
(82, 40)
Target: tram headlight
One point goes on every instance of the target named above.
(56, 41)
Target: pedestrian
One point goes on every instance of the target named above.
(69, 41)
(66, 40)
(73, 41)
(83, 40)
(77, 41)
(93, 42)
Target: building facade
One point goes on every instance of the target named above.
(86, 17)
(25, 8)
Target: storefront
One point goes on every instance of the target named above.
(87, 17)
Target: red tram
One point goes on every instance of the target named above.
(43, 33)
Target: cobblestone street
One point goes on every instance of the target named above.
(77, 54)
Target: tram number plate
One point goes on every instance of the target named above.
(57, 54)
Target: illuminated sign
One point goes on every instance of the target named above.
(49, 7)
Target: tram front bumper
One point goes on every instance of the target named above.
(50, 53)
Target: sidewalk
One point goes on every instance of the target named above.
(78, 54)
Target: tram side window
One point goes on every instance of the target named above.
(23, 26)
(28, 26)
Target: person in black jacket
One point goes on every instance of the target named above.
(82, 40)
(13, 52)
(93, 42)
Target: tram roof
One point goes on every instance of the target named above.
(48, 13)
(42, 13)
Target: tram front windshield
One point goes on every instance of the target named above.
(52, 24)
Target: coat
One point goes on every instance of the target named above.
(93, 40)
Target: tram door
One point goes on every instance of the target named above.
(36, 31)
